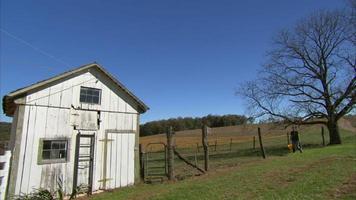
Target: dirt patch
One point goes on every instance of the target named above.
(346, 189)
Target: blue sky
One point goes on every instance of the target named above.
(182, 58)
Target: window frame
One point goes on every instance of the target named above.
(42, 161)
(90, 88)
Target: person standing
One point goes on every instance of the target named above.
(294, 137)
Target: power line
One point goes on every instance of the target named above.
(33, 47)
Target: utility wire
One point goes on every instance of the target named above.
(33, 47)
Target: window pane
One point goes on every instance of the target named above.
(96, 100)
(46, 144)
(55, 145)
(89, 92)
(83, 91)
(62, 154)
(46, 155)
(63, 145)
(54, 154)
(96, 93)
(82, 98)
(88, 99)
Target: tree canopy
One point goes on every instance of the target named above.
(309, 76)
(188, 123)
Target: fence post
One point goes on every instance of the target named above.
(216, 143)
(205, 146)
(254, 142)
(288, 141)
(322, 135)
(142, 165)
(197, 146)
(196, 159)
(261, 145)
(230, 144)
(170, 148)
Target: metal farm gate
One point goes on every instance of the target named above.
(155, 162)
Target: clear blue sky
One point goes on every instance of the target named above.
(182, 58)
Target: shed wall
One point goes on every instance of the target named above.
(48, 114)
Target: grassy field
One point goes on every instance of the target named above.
(317, 173)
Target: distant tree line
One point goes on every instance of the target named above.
(188, 123)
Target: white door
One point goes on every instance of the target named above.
(118, 166)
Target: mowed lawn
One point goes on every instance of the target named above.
(318, 173)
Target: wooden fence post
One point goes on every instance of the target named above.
(230, 144)
(216, 143)
(322, 135)
(197, 146)
(254, 142)
(261, 145)
(205, 146)
(142, 165)
(288, 141)
(170, 149)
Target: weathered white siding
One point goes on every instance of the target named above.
(48, 115)
(4, 173)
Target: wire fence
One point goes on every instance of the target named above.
(230, 151)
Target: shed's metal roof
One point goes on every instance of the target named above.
(8, 100)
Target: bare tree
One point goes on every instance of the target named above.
(309, 77)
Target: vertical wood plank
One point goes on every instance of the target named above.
(131, 159)
(119, 160)
(124, 158)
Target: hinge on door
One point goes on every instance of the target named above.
(106, 140)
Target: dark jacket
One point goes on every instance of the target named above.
(294, 136)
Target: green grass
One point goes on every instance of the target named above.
(318, 173)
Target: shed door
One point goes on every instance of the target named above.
(118, 165)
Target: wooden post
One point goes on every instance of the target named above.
(142, 165)
(322, 135)
(197, 146)
(205, 146)
(196, 159)
(170, 148)
(230, 144)
(216, 143)
(261, 145)
(254, 142)
(288, 141)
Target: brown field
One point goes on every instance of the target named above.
(237, 134)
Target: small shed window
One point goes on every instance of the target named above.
(54, 150)
(90, 95)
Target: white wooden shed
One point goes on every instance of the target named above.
(79, 129)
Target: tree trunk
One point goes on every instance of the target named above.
(334, 133)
